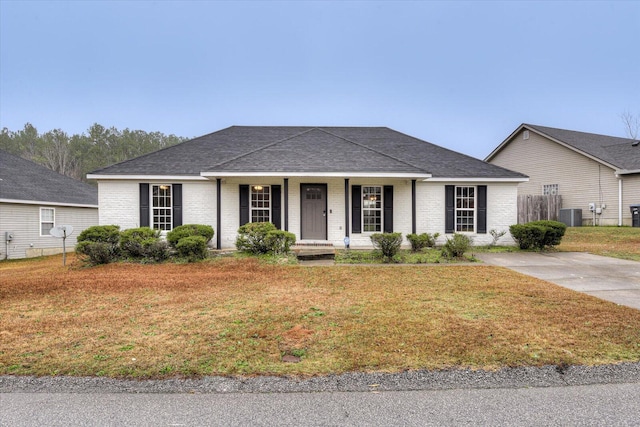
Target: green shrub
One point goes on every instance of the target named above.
(457, 245)
(252, 237)
(554, 232)
(96, 253)
(538, 234)
(131, 241)
(99, 244)
(155, 250)
(279, 241)
(174, 236)
(421, 241)
(193, 248)
(387, 243)
(101, 233)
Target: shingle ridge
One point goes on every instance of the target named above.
(271, 144)
(372, 149)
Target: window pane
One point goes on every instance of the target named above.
(45, 227)
(46, 215)
(161, 207)
(371, 209)
(465, 209)
(260, 203)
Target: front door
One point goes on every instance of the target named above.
(314, 211)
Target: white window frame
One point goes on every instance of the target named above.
(153, 208)
(457, 225)
(53, 222)
(255, 207)
(379, 193)
(550, 189)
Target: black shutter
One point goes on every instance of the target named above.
(387, 200)
(276, 206)
(244, 204)
(356, 209)
(177, 205)
(482, 209)
(144, 205)
(449, 203)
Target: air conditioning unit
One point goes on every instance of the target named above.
(571, 217)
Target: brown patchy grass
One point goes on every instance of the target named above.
(240, 317)
(617, 242)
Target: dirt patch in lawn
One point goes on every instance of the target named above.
(241, 317)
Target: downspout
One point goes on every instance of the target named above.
(619, 200)
(218, 213)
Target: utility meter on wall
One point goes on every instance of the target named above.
(592, 207)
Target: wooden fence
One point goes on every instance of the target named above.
(535, 208)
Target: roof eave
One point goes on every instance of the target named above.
(44, 203)
(478, 179)
(627, 171)
(138, 177)
(503, 143)
(346, 174)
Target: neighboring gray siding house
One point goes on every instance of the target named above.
(584, 168)
(33, 199)
(321, 183)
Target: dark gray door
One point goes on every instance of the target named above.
(314, 211)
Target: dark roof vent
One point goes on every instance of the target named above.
(635, 143)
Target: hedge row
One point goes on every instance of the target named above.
(102, 244)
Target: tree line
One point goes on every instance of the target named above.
(78, 154)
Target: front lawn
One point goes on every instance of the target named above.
(232, 316)
(617, 242)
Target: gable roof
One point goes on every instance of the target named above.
(23, 181)
(299, 151)
(618, 153)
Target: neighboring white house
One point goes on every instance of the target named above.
(597, 174)
(34, 199)
(321, 183)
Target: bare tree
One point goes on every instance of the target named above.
(631, 124)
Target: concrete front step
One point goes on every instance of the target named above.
(314, 250)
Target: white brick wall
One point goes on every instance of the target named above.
(119, 204)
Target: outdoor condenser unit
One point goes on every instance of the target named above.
(571, 217)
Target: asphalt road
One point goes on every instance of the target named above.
(597, 405)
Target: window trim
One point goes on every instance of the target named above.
(152, 207)
(380, 209)
(456, 209)
(251, 208)
(53, 223)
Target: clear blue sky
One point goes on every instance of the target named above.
(462, 75)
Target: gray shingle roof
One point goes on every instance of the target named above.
(24, 180)
(616, 151)
(308, 149)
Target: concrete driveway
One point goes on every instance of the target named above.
(607, 278)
